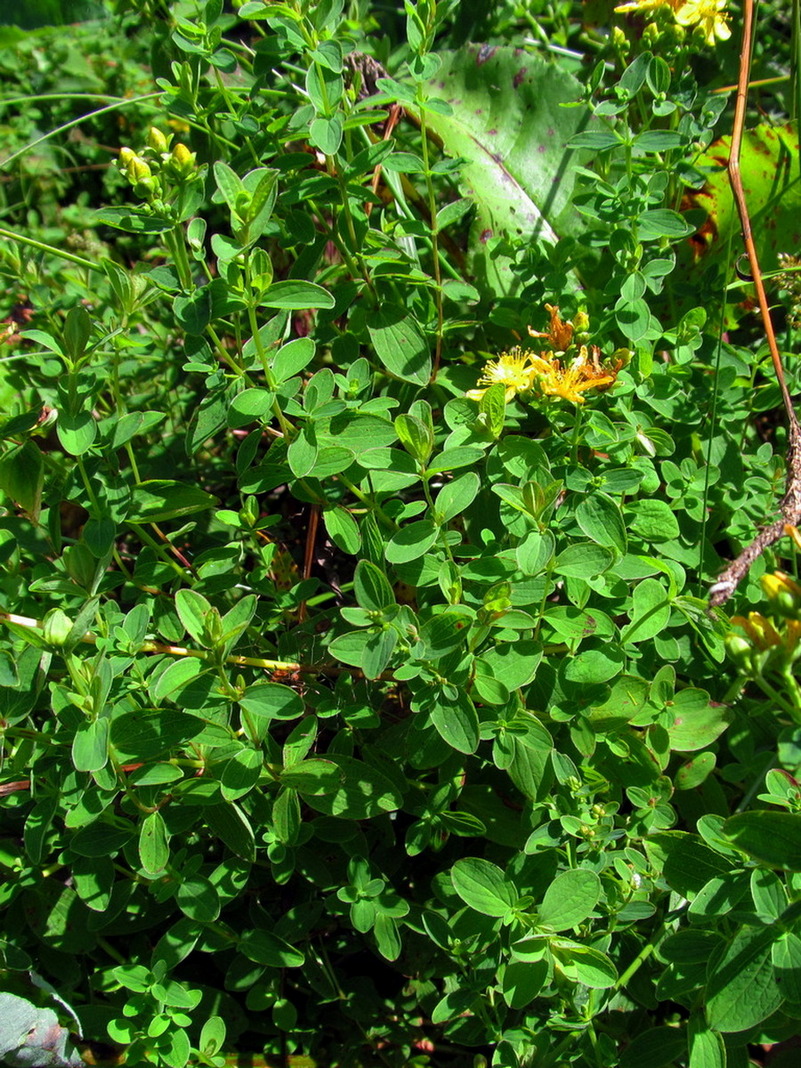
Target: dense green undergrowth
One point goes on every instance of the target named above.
(380, 401)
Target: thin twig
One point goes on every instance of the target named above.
(790, 507)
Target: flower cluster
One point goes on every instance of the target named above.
(710, 15)
(143, 170)
(776, 640)
(558, 372)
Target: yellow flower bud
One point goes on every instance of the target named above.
(783, 591)
(182, 161)
(762, 633)
(182, 155)
(619, 40)
(138, 169)
(56, 627)
(156, 140)
(739, 650)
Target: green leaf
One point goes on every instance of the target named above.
(600, 518)
(160, 499)
(658, 140)
(583, 560)
(94, 881)
(296, 295)
(786, 958)
(302, 452)
(371, 587)
(706, 1047)
(102, 838)
(326, 134)
(197, 898)
(508, 125)
(457, 723)
(742, 990)
(522, 982)
(229, 184)
(312, 777)
(193, 610)
(399, 343)
(77, 330)
(483, 886)
(412, 541)
(591, 967)
(653, 520)
(650, 611)
(570, 899)
(535, 552)
(90, 745)
(593, 666)
(378, 650)
(387, 937)
(233, 829)
(416, 437)
(76, 432)
(529, 769)
(596, 140)
(686, 863)
(175, 678)
(450, 459)
(292, 358)
(662, 222)
(773, 838)
(263, 702)
(241, 773)
(131, 221)
(37, 825)
(154, 849)
(697, 722)
(492, 406)
(342, 528)
(695, 771)
(250, 406)
(267, 948)
(287, 816)
(361, 792)
(656, 1047)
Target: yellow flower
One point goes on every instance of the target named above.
(512, 369)
(784, 594)
(760, 630)
(779, 584)
(709, 15)
(559, 332)
(583, 373)
(649, 5)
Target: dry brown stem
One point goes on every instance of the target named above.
(790, 507)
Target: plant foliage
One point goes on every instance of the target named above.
(365, 461)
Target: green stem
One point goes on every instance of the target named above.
(112, 952)
(574, 445)
(79, 261)
(287, 428)
(176, 243)
(774, 695)
(159, 549)
(88, 486)
(432, 210)
(380, 514)
(638, 961)
(77, 122)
